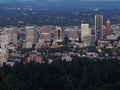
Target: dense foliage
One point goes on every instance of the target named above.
(80, 74)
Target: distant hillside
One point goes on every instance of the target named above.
(65, 4)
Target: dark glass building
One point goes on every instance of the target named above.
(98, 27)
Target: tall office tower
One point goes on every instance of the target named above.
(4, 40)
(31, 36)
(9, 32)
(108, 28)
(15, 37)
(98, 27)
(85, 32)
(59, 34)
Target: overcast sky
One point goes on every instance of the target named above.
(61, 3)
(56, 0)
(43, 2)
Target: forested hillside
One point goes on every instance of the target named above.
(80, 74)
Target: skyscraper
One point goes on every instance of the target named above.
(59, 34)
(31, 36)
(98, 27)
(85, 31)
(15, 37)
(86, 36)
(108, 28)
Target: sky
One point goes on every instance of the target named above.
(42, 1)
(66, 3)
(54, 0)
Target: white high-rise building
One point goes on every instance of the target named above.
(15, 37)
(85, 32)
(4, 41)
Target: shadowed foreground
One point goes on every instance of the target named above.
(80, 74)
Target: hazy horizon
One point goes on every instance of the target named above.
(52, 0)
(62, 3)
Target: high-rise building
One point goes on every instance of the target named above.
(15, 37)
(108, 28)
(85, 31)
(31, 36)
(98, 27)
(59, 34)
(4, 41)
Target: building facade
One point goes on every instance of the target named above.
(108, 28)
(98, 27)
(85, 32)
(31, 36)
(59, 34)
(72, 33)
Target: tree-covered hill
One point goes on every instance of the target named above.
(80, 74)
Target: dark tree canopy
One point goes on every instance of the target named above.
(80, 74)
